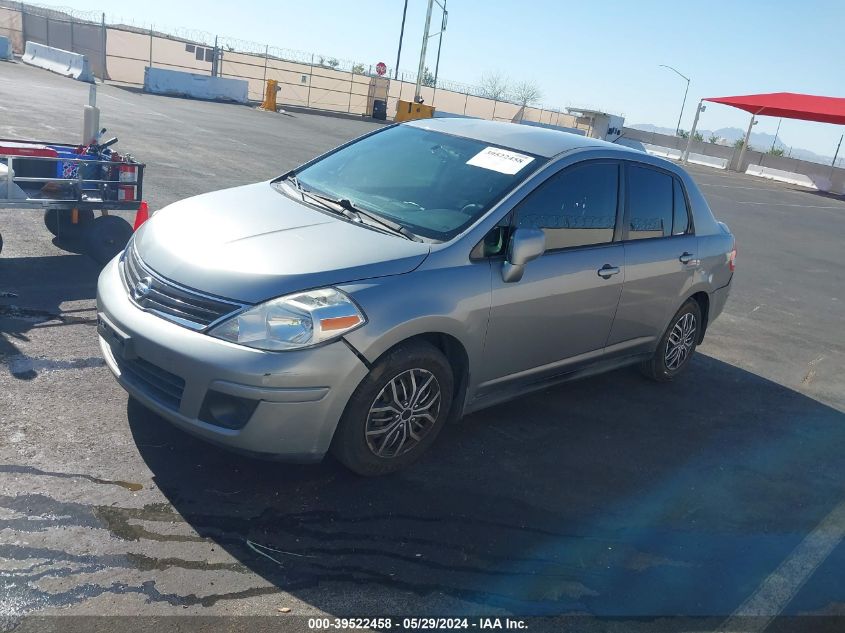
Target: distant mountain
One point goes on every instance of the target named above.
(760, 141)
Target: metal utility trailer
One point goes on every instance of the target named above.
(29, 179)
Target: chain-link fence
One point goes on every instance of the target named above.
(119, 50)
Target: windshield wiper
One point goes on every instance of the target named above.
(348, 210)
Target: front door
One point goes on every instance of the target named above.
(562, 310)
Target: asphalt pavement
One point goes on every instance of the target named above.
(718, 495)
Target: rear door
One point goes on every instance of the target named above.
(660, 257)
(563, 306)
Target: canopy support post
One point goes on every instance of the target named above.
(698, 110)
(745, 142)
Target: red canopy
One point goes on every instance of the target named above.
(790, 106)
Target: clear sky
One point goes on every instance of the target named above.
(592, 54)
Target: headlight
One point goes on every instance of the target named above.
(293, 321)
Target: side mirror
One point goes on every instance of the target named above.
(525, 245)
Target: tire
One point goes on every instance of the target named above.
(1, 242)
(106, 236)
(670, 358)
(60, 222)
(380, 452)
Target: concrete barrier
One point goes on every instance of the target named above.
(59, 61)
(663, 152)
(697, 159)
(5, 48)
(790, 177)
(708, 161)
(181, 84)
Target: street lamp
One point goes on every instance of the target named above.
(683, 76)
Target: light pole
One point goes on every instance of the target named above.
(683, 76)
(401, 35)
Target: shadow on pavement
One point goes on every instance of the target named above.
(611, 496)
(32, 291)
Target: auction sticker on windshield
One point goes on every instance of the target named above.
(501, 160)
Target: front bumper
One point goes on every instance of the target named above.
(298, 396)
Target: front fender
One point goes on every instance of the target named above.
(449, 300)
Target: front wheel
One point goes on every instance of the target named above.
(396, 412)
(677, 345)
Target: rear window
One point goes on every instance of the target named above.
(650, 203)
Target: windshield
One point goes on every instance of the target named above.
(432, 183)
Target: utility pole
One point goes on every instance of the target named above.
(421, 68)
(440, 43)
(401, 35)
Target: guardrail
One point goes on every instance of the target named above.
(59, 61)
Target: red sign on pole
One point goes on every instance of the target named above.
(381, 68)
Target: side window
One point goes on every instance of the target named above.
(576, 207)
(680, 225)
(650, 204)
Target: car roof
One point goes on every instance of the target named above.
(526, 138)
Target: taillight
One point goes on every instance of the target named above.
(732, 259)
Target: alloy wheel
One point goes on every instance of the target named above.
(681, 341)
(404, 411)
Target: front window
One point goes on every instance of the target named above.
(434, 184)
(576, 207)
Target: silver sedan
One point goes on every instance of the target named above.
(419, 273)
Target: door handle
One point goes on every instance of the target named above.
(607, 271)
(687, 258)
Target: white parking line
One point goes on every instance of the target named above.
(710, 184)
(782, 204)
(776, 592)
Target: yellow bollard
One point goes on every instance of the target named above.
(269, 102)
(409, 111)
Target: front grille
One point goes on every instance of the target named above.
(155, 294)
(157, 383)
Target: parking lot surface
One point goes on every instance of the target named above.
(720, 494)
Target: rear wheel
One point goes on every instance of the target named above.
(677, 345)
(60, 222)
(106, 236)
(396, 412)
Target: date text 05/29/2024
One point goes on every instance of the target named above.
(416, 624)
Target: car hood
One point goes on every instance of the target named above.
(253, 243)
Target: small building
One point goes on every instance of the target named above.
(598, 124)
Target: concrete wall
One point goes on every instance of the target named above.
(792, 170)
(11, 26)
(676, 142)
